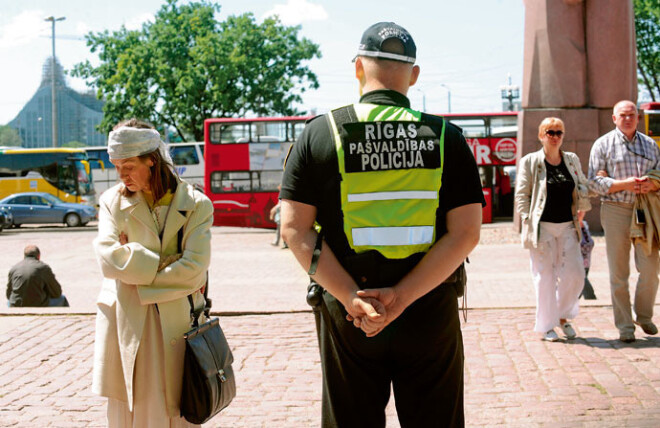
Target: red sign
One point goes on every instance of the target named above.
(494, 151)
(487, 211)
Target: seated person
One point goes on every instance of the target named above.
(32, 283)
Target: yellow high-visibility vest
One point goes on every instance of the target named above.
(390, 161)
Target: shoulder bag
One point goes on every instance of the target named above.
(208, 378)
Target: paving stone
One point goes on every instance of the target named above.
(512, 378)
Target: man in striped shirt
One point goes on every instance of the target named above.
(618, 167)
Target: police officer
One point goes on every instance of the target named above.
(398, 197)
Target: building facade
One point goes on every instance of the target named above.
(78, 114)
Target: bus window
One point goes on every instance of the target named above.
(49, 173)
(220, 133)
(504, 126)
(230, 182)
(85, 185)
(184, 155)
(67, 179)
(267, 181)
(472, 128)
(269, 132)
(99, 155)
(297, 130)
(654, 125)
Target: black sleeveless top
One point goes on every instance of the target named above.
(560, 194)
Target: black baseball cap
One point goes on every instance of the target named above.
(373, 38)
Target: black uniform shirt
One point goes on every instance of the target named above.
(312, 177)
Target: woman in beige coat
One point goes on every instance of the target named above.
(550, 192)
(143, 309)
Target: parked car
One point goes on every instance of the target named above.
(6, 219)
(41, 207)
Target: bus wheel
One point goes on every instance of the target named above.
(72, 220)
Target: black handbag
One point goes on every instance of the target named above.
(208, 378)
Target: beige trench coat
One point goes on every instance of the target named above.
(532, 193)
(131, 282)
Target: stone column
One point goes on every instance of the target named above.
(579, 60)
(611, 52)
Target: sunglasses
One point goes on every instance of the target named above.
(552, 133)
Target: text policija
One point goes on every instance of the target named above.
(390, 145)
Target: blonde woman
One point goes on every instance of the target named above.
(550, 192)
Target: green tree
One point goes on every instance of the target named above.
(187, 66)
(647, 29)
(9, 137)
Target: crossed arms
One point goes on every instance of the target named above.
(373, 309)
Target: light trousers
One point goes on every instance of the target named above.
(558, 274)
(616, 223)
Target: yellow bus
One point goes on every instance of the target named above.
(652, 120)
(61, 172)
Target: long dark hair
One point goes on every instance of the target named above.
(162, 177)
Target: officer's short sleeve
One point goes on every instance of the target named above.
(461, 184)
(307, 164)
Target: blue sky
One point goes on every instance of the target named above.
(469, 46)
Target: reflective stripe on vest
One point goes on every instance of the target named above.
(388, 196)
(411, 235)
(391, 168)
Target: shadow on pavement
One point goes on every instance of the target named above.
(598, 342)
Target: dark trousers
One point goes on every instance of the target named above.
(52, 302)
(419, 355)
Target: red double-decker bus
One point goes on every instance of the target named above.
(244, 160)
(493, 140)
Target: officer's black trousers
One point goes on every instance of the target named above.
(420, 355)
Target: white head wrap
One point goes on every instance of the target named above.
(127, 142)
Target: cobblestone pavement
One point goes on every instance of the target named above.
(512, 378)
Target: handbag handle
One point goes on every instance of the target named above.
(206, 310)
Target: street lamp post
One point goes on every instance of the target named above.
(510, 92)
(423, 100)
(53, 91)
(448, 97)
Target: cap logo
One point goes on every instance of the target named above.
(375, 37)
(389, 32)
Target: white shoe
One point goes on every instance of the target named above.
(550, 336)
(568, 330)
